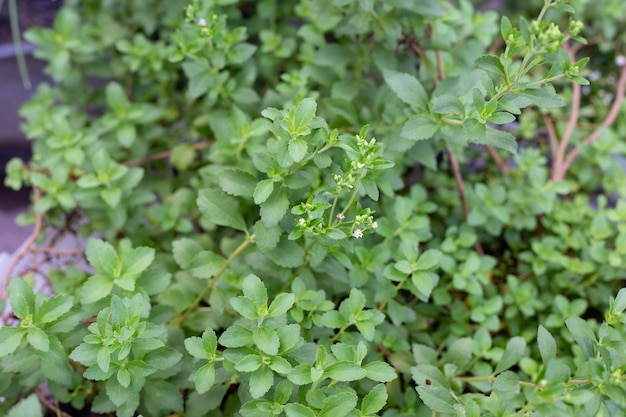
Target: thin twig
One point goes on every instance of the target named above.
(559, 157)
(552, 136)
(26, 246)
(52, 407)
(163, 155)
(440, 69)
(504, 169)
(60, 252)
(608, 120)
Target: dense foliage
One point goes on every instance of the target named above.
(325, 208)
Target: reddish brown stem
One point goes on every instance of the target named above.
(504, 169)
(163, 155)
(27, 245)
(608, 121)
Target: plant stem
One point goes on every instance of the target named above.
(212, 281)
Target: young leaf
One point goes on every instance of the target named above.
(10, 339)
(407, 88)
(428, 260)
(303, 116)
(261, 381)
(338, 405)
(437, 398)
(583, 335)
(281, 304)
(266, 339)
(236, 336)
(245, 306)
(375, 400)
(512, 354)
(96, 288)
(21, 298)
(27, 407)
(298, 410)
(380, 371)
(547, 345)
(101, 256)
(52, 308)
(344, 371)
(419, 128)
(38, 339)
(237, 182)
(254, 289)
(263, 190)
(220, 209)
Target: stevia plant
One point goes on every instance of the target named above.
(329, 208)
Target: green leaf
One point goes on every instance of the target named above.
(407, 88)
(52, 308)
(583, 335)
(204, 378)
(246, 307)
(38, 339)
(419, 128)
(459, 352)
(281, 304)
(344, 371)
(491, 63)
(547, 345)
(96, 288)
(380, 371)
(288, 253)
(136, 261)
(182, 156)
(101, 255)
(301, 374)
(126, 134)
(375, 400)
(428, 260)
(206, 264)
(512, 354)
(266, 238)
(27, 407)
(297, 149)
(21, 298)
(437, 399)
(266, 339)
(263, 190)
(254, 289)
(220, 209)
(423, 283)
(184, 250)
(303, 116)
(261, 381)
(298, 410)
(237, 182)
(338, 405)
(10, 339)
(274, 208)
(236, 336)
(116, 97)
(249, 363)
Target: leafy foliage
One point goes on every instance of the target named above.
(254, 250)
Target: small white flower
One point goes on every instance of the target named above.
(340, 216)
(374, 225)
(620, 60)
(357, 234)
(301, 222)
(202, 22)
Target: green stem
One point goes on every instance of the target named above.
(212, 281)
(17, 42)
